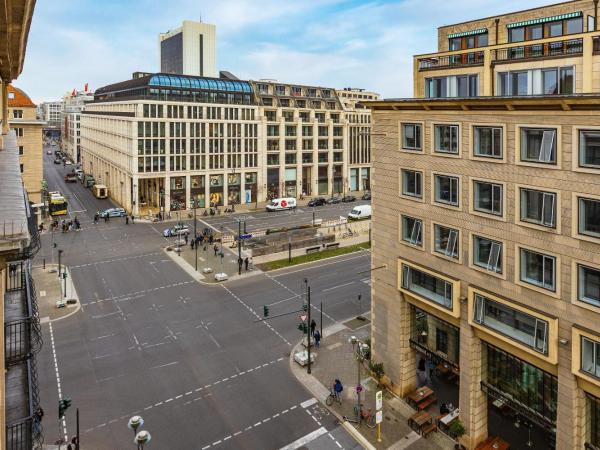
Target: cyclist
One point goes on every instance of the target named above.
(337, 389)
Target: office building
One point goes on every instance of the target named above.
(28, 130)
(51, 113)
(159, 141)
(486, 237)
(189, 50)
(21, 339)
(73, 103)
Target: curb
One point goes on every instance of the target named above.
(316, 261)
(320, 392)
(73, 295)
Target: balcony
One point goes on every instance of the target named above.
(571, 47)
(451, 61)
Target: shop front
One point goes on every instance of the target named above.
(592, 414)
(365, 178)
(354, 177)
(234, 188)
(322, 181)
(216, 190)
(272, 183)
(290, 182)
(197, 190)
(306, 180)
(338, 180)
(178, 200)
(250, 187)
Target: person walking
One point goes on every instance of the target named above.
(192, 244)
(317, 337)
(126, 220)
(77, 224)
(246, 261)
(240, 263)
(216, 249)
(313, 325)
(96, 217)
(186, 238)
(132, 219)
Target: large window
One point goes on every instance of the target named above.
(589, 217)
(538, 145)
(538, 207)
(412, 231)
(487, 254)
(545, 28)
(550, 81)
(446, 241)
(538, 269)
(446, 138)
(412, 183)
(589, 149)
(590, 356)
(487, 197)
(461, 86)
(593, 421)
(588, 285)
(446, 189)
(487, 142)
(411, 136)
(428, 286)
(512, 323)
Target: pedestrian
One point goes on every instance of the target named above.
(199, 240)
(132, 219)
(192, 244)
(246, 261)
(77, 224)
(251, 264)
(96, 217)
(186, 238)
(313, 325)
(240, 263)
(126, 220)
(338, 388)
(215, 248)
(210, 239)
(317, 337)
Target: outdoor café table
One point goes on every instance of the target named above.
(449, 417)
(420, 394)
(493, 443)
(420, 419)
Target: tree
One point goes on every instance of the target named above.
(377, 370)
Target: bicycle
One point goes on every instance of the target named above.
(366, 416)
(333, 397)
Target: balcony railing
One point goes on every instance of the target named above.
(572, 47)
(23, 424)
(444, 62)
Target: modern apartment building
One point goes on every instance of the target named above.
(51, 113)
(28, 131)
(486, 234)
(190, 49)
(73, 104)
(159, 141)
(21, 339)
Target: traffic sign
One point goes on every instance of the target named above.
(359, 388)
(379, 417)
(378, 400)
(245, 236)
(303, 317)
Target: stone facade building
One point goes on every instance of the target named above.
(486, 236)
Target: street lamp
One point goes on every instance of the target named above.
(359, 349)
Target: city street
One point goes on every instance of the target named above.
(193, 360)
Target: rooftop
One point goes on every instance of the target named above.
(17, 98)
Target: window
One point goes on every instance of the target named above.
(538, 269)
(538, 145)
(536, 32)
(538, 207)
(446, 241)
(487, 198)
(517, 325)
(487, 254)
(446, 139)
(590, 356)
(516, 34)
(412, 230)
(589, 149)
(575, 26)
(589, 217)
(412, 183)
(21, 150)
(487, 142)
(428, 286)
(453, 86)
(588, 285)
(441, 340)
(436, 87)
(21, 167)
(411, 136)
(17, 113)
(551, 81)
(446, 189)
(18, 132)
(554, 29)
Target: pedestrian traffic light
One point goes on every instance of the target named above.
(63, 405)
(265, 311)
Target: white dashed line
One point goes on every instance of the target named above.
(64, 422)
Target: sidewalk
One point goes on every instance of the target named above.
(335, 359)
(50, 289)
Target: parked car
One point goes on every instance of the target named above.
(176, 230)
(67, 162)
(57, 161)
(366, 196)
(319, 201)
(333, 200)
(280, 204)
(360, 212)
(349, 199)
(71, 177)
(113, 212)
(48, 152)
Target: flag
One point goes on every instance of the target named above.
(73, 93)
(85, 88)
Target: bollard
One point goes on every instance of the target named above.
(44, 264)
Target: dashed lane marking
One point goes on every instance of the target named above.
(145, 255)
(132, 295)
(254, 313)
(64, 422)
(172, 400)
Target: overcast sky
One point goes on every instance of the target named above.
(334, 43)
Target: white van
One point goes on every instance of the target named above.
(360, 212)
(279, 204)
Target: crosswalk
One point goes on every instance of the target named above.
(367, 281)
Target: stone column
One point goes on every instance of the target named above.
(167, 198)
(4, 102)
(188, 192)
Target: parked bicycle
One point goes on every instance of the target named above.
(366, 416)
(333, 397)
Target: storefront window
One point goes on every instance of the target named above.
(233, 188)
(272, 183)
(178, 201)
(427, 286)
(197, 191)
(250, 187)
(290, 182)
(438, 339)
(593, 421)
(216, 190)
(354, 179)
(322, 180)
(366, 179)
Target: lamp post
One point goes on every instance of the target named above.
(233, 200)
(195, 206)
(359, 348)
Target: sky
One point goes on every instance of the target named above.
(333, 43)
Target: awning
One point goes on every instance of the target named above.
(545, 19)
(468, 33)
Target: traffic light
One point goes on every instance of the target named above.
(265, 311)
(63, 405)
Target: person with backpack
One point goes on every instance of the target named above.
(337, 389)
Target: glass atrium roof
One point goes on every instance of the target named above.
(175, 81)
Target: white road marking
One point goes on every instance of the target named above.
(338, 286)
(305, 439)
(64, 422)
(308, 403)
(134, 295)
(165, 365)
(308, 266)
(115, 260)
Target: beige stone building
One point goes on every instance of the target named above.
(21, 339)
(161, 141)
(486, 228)
(28, 130)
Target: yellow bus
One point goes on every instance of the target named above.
(57, 205)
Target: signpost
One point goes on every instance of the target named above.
(379, 414)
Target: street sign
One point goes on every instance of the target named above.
(378, 400)
(379, 417)
(359, 388)
(303, 317)
(245, 236)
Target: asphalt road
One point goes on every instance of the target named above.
(191, 359)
